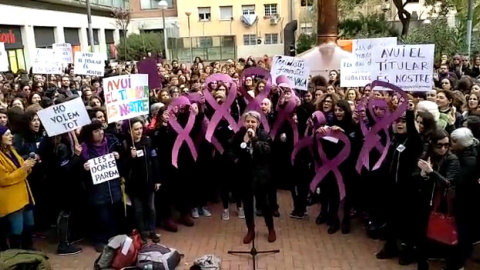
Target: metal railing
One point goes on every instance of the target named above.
(218, 48)
(107, 3)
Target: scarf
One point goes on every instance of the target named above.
(90, 151)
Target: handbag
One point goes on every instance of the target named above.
(442, 227)
(129, 258)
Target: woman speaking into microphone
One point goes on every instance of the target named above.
(250, 151)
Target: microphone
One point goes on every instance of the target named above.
(32, 155)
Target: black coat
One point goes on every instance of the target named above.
(467, 191)
(253, 162)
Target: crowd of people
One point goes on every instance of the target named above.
(427, 157)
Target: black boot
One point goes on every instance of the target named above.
(3, 243)
(321, 218)
(65, 249)
(389, 250)
(15, 241)
(27, 238)
(406, 256)
(346, 226)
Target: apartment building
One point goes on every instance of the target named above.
(26, 25)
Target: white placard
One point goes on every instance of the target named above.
(409, 67)
(294, 68)
(103, 169)
(63, 52)
(3, 58)
(64, 117)
(87, 63)
(45, 62)
(355, 71)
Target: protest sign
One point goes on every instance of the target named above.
(294, 68)
(409, 67)
(45, 62)
(3, 58)
(149, 66)
(63, 52)
(64, 117)
(126, 96)
(103, 169)
(355, 71)
(89, 64)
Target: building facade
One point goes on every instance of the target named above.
(27, 25)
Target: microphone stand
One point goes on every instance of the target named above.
(254, 252)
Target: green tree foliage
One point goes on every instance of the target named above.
(138, 45)
(371, 26)
(305, 42)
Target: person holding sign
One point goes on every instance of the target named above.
(104, 197)
(16, 199)
(142, 179)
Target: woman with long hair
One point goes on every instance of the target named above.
(16, 200)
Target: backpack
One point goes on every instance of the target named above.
(207, 262)
(120, 252)
(158, 257)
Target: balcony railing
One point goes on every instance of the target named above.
(107, 3)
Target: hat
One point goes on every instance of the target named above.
(3, 129)
(283, 81)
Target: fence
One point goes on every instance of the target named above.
(212, 48)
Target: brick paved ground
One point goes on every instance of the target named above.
(303, 244)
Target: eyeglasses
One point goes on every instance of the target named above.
(442, 145)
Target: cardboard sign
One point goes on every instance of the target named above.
(103, 169)
(355, 71)
(63, 52)
(409, 67)
(64, 117)
(89, 64)
(45, 62)
(126, 96)
(3, 58)
(294, 68)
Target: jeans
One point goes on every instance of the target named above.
(20, 220)
(108, 220)
(144, 212)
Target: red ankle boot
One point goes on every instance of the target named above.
(249, 236)
(272, 236)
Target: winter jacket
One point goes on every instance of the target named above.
(24, 259)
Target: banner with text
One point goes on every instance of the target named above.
(294, 68)
(355, 71)
(89, 64)
(126, 96)
(3, 58)
(409, 67)
(45, 62)
(64, 117)
(63, 52)
(103, 169)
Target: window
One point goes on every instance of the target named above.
(226, 13)
(153, 4)
(306, 28)
(248, 10)
(249, 40)
(307, 3)
(205, 42)
(204, 13)
(271, 10)
(271, 38)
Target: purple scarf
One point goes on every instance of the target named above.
(97, 150)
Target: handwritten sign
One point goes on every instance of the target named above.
(409, 67)
(89, 64)
(3, 58)
(126, 96)
(64, 117)
(294, 68)
(355, 71)
(63, 52)
(45, 62)
(103, 169)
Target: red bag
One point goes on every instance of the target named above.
(442, 227)
(122, 260)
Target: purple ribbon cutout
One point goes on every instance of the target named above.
(183, 134)
(308, 141)
(284, 114)
(221, 111)
(254, 102)
(372, 137)
(331, 165)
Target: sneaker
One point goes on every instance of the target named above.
(205, 212)
(294, 214)
(155, 237)
(65, 250)
(226, 214)
(241, 213)
(195, 213)
(276, 213)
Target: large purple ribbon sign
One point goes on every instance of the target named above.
(183, 134)
(308, 140)
(284, 113)
(372, 137)
(221, 111)
(254, 102)
(331, 165)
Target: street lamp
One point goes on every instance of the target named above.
(164, 5)
(188, 13)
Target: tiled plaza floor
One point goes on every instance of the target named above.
(303, 244)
